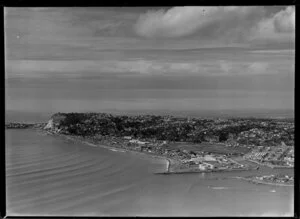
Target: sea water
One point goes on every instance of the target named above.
(49, 175)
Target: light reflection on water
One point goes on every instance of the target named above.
(47, 175)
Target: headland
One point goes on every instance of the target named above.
(189, 145)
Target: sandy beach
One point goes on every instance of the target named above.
(170, 163)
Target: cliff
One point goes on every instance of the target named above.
(55, 122)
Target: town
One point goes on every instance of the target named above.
(186, 160)
(280, 156)
(192, 144)
(278, 179)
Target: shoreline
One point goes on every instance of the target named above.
(261, 182)
(117, 149)
(173, 166)
(187, 171)
(270, 165)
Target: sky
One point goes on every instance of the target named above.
(243, 50)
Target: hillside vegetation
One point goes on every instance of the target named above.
(238, 131)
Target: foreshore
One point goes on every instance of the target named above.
(171, 163)
(173, 166)
(270, 165)
(186, 171)
(261, 182)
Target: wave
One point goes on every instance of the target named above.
(219, 187)
(68, 179)
(116, 150)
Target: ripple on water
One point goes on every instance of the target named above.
(47, 175)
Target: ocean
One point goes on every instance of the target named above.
(37, 99)
(48, 175)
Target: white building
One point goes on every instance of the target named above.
(138, 142)
(205, 166)
(210, 166)
(134, 141)
(202, 166)
(209, 158)
(197, 160)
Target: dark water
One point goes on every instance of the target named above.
(47, 175)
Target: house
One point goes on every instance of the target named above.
(209, 158)
(209, 165)
(143, 142)
(138, 142)
(134, 141)
(197, 160)
(202, 166)
(205, 166)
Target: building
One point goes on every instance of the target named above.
(209, 158)
(197, 160)
(134, 141)
(138, 142)
(207, 165)
(202, 166)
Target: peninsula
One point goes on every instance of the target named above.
(190, 145)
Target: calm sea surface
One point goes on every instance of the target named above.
(48, 175)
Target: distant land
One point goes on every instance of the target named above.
(29, 116)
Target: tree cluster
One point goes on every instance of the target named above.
(171, 128)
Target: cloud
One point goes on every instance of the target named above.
(281, 25)
(225, 66)
(258, 67)
(183, 21)
(35, 68)
(245, 68)
(284, 21)
(231, 24)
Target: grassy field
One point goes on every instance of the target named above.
(207, 147)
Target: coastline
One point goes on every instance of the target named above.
(169, 161)
(173, 166)
(187, 171)
(270, 165)
(261, 182)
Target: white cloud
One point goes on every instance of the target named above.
(231, 24)
(225, 66)
(278, 26)
(246, 68)
(182, 21)
(31, 68)
(258, 67)
(284, 21)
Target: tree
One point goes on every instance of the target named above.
(223, 136)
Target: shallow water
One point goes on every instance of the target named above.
(47, 175)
